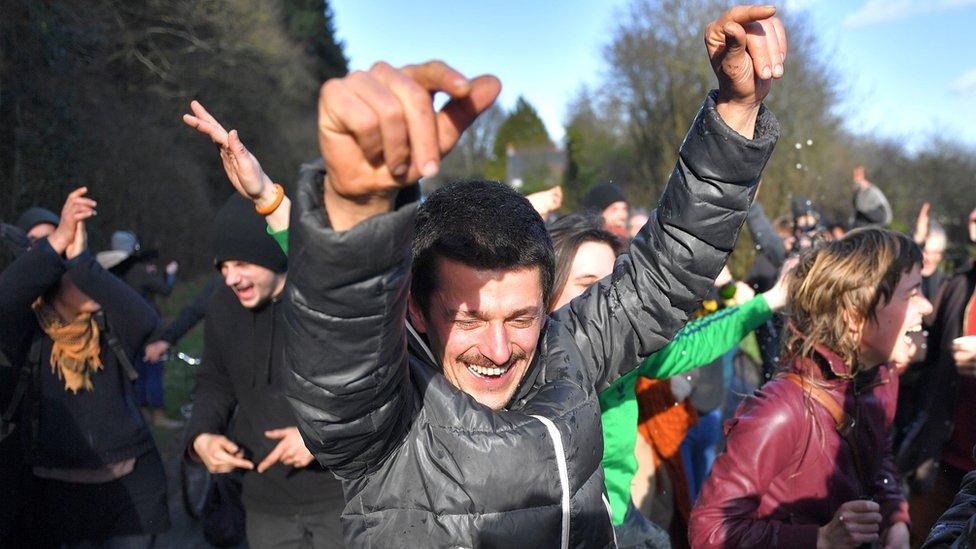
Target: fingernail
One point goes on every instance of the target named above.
(778, 71)
(400, 170)
(461, 83)
(766, 73)
(782, 56)
(430, 169)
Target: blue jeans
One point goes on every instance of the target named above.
(149, 386)
(637, 532)
(698, 450)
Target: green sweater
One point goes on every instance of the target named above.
(697, 344)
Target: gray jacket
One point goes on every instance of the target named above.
(422, 463)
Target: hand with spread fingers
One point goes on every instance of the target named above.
(747, 48)
(70, 232)
(290, 450)
(242, 167)
(378, 132)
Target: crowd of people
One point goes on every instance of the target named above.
(477, 368)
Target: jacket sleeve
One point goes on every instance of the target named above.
(764, 235)
(191, 314)
(345, 332)
(213, 398)
(959, 521)
(706, 339)
(127, 312)
(22, 282)
(724, 515)
(675, 258)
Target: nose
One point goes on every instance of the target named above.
(231, 276)
(926, 308)
(496, 346)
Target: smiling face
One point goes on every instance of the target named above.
(593, 261)
(252, 284)
(886, 338)
(483, 327)
(616, 214)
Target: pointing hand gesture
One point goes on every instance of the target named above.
(747, 49)
(378, 131)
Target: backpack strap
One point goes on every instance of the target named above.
(27, 369)
(842, 422)
(116, 346)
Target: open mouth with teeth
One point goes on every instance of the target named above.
(488, 373)
(914, 337)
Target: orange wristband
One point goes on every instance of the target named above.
(270, 208)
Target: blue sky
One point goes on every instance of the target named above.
(903, 63)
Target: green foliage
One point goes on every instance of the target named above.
(522, 129)
(93, 92)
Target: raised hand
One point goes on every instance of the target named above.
(79, 243)
(547, 201)
(747, 49)
(859, 177)
(219, 454)
(378, 132)
(290, 450)
(76, 209)
(922, 225)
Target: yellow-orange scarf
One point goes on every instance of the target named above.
(76, 350)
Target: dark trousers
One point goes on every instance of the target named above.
(149, 386)
(312, 531)
(928, 507)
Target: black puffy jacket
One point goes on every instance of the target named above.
(424, 464)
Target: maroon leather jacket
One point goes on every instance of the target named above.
(786, 469)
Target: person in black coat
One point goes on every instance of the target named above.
(287, 496)
(93, 474)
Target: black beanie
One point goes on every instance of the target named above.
(35, 216)
(241, 234)
(602, 196)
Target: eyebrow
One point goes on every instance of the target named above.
(475, 314)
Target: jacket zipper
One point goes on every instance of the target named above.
(557, 444)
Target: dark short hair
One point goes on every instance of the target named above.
(570, 232)
(484, 225)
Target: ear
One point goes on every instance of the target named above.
(417, 318)
(854, 325)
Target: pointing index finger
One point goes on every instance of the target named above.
(747, 14)
(439, 76)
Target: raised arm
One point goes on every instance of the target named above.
(349, 260)
(679, 252)
(242, 168)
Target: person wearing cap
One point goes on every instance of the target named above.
(610, 202)
(73, 330)
(129, 261)
(38, 223)
(288, 497)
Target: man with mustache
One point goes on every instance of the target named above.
(472, 420)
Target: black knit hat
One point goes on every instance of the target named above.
(241, 234)
(602, 196)
(35, 216)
